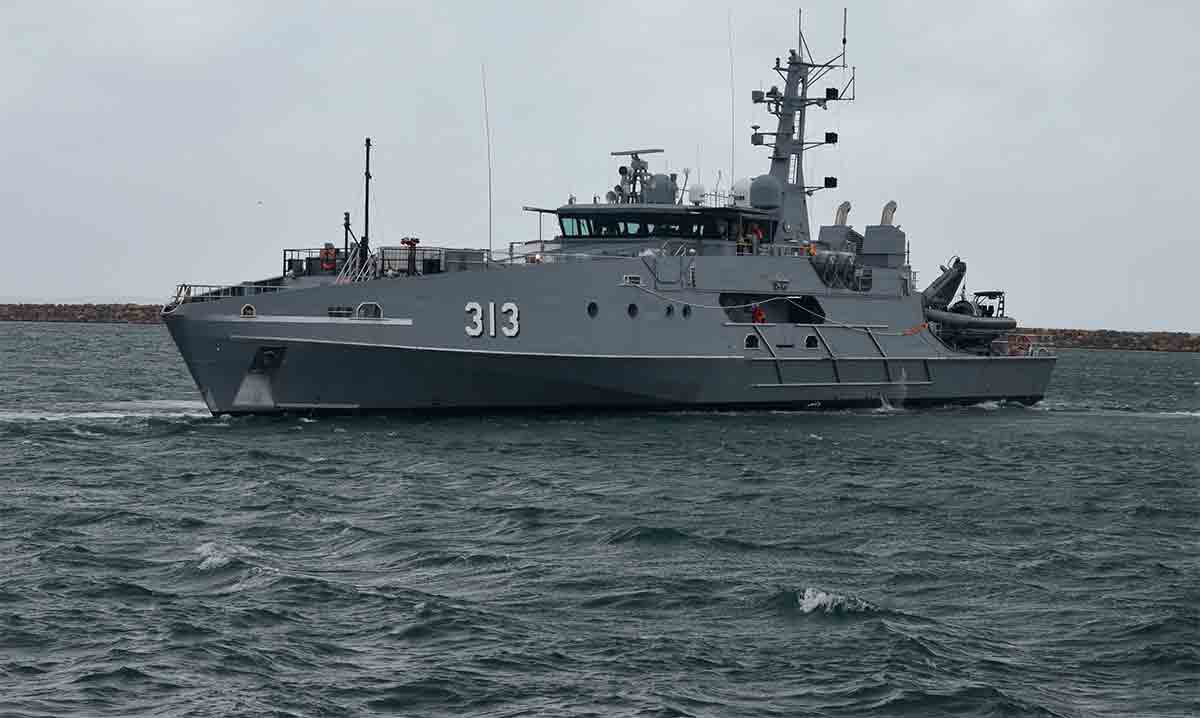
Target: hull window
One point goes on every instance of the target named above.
(687, 311)
(632, 310)
(248, 311)
(751, 341)
(593, 310)
(810, 342)
(670, 311)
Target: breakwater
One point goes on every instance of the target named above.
(1109, 339)
(103, 313)
(1061, 338)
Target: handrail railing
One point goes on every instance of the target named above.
(185, 293)
(353, 270)
(347, 269)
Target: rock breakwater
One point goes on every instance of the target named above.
(103, 313)
(1109, 339)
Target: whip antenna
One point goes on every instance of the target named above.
(487, 131)
(732, 98)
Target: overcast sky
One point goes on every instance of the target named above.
(1052, 145)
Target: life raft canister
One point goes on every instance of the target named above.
(328, 258)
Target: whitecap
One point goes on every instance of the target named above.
(214, 555)
(815, 599)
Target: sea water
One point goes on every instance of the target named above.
(991, 560)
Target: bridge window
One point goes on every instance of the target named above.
(631, 226)
(570, 226)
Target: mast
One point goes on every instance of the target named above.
(364, 247)
(790, 107)
(786, 163)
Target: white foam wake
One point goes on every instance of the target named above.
(155, 409)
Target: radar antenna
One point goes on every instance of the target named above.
(634, 176)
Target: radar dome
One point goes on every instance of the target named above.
(659, 189)
(740, 192)
(766, 192)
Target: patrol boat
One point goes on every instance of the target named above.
(655, 295)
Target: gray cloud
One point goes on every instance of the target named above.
(1051, 145)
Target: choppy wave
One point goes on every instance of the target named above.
(817, 600)
(977, 561)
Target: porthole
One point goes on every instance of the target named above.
(670, 310)
(248, 311)
(810, 342)
(632, 310)
(592, 310)
(751, 341)
(687, 311)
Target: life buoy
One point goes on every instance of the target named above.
(758, 316)
(328, 259)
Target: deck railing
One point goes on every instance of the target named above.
(185, 293)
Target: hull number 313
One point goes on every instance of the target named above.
(478, 316)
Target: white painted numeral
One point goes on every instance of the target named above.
(514, 319)
(511, 328)
(475, 328)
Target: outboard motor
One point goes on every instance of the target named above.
(941, 291)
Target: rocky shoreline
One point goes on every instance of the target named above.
(1061, 338)
(101, 313)
(1109, 339)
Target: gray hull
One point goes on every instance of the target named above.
(420, 356)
